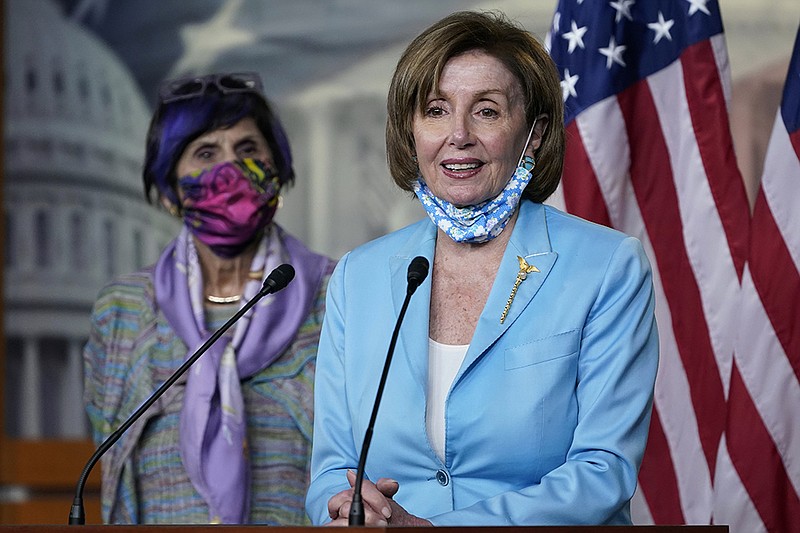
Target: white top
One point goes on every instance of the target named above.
(444, 360)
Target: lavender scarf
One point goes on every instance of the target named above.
(213, 429)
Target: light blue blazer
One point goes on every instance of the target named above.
(547, 419)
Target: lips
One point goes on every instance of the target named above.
(461, 168)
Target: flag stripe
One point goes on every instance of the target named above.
(777, 281)
(794, 139)
(657, 477)
(763, 436)
(781, 188)
(609, 161)
(579, 175)
(703, 228)
(769, 379)
(772, 391)
(646, 87)
(732, 503)
(678, 420)
(704, 94)
(765, 477)
(651, 176)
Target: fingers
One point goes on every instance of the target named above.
(371, 518)
(376, 505)
(379, 507)
(338, 502)
(388, 486)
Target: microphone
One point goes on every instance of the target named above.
(417, 272)
(276, 280)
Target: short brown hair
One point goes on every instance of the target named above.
(420, 68)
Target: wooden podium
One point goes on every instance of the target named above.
(272, 529)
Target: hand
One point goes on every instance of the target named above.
(379, 507)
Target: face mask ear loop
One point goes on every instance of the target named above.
(527, 141)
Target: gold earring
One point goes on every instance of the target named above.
(174, 210)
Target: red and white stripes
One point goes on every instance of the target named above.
(656, 161)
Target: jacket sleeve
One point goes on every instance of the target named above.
(106, 358)
(334, 449)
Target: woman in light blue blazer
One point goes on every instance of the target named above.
(522, 383)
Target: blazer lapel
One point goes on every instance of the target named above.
(413, 337)
(530, 241)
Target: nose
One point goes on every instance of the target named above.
(460, 132)
(228, 153)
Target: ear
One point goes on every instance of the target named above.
(165, 203)
(539, 127)
(172, 209)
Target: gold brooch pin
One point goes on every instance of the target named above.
(524, 270)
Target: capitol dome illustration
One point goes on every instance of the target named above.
(75, 213)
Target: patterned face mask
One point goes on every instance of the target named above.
(228, 205)
(482, 222)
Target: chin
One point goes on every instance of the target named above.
(464, 201)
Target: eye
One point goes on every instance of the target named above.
(435, 107)
(251, 149)
(488, 112)
(434, 111)
(204, 154)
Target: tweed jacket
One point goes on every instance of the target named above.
(132, 349)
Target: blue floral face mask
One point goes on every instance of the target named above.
(482, 222)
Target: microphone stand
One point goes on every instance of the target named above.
(417, 272)
(276, 281)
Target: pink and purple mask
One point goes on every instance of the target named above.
(228, 205)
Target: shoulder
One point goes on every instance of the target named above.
(570, 234)
(379, 250)
(318, 266)
(565, 224)
(128, 293)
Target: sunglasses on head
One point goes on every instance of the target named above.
(192, 87)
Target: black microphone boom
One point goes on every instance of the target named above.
(277, 280)
(417, 272)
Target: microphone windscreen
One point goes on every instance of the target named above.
(418, 270)
(279, 278)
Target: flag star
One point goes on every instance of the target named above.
(623, 8)
(661, 28)
(698, 5)
(613, 53)
(568, 85)
(575, 37)
(556, 22)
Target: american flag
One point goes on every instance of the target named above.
(649, 151)
(758, 475)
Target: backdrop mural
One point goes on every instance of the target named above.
(81, 79)
(80, 83)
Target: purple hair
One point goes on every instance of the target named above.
(176, 124)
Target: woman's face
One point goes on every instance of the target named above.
(470, 136)
(242, 140)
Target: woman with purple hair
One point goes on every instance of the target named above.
(230, 442)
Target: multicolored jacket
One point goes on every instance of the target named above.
(132, 349)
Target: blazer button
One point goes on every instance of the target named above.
(443, 477)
